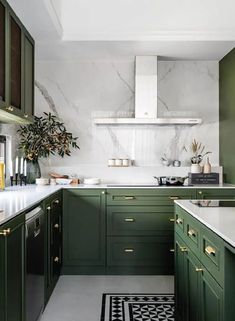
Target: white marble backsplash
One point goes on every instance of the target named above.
(79, 91)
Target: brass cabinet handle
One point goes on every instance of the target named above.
(199, 270)
(183, 249)
(9, 108)
(129, 198)
(129, 219)
(56, 259)
(210, 250)
(56, 226)
(171, 219)
(200, 192)
(174, 198)
(172, 250)
(179, 221)
(103, 192)
(192, 233)
(5, 232)
(56, 201)
(48, 208)
(129, 250)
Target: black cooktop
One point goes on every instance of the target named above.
(209, 203)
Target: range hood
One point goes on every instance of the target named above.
(146, 99)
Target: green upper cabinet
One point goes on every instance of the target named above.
(84, 231)
(17, 69)
(12, 270)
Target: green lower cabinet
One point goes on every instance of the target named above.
(12, 270)
(215, 193)
(84, 221)
(53, 244)
(211, 298)
(180, 293)
(143, 254)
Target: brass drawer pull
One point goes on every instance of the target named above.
(56, 201)
(128, 198)
(192, 233)
(174, 198)
(199, 270)
(172, 250)
(183, 249)
(48, 208)
(210, 250)
(171, 219)
(56, 226)
(56, 259)
(179, 221)
(5, 232)
(129, 250)
(129, 219)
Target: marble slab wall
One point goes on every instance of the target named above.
(79, 91)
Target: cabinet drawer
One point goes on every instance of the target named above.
(161, 196)
(140, 251)
(215, 193)
(179, 220)
(136, 220)
(212, 254)
(192, 233)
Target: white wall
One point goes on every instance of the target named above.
(79, 91)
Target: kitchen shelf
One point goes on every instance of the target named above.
(148, 121)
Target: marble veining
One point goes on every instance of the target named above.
(80, 91)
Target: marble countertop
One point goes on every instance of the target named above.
(15, 200)
(221, 220)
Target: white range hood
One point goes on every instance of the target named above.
(146, 99)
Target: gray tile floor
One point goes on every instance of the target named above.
(78, 298)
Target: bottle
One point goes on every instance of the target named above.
(2, 176)
(207, 167)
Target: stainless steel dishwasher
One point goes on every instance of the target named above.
(35, 222)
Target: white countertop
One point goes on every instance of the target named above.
(220, 220)
(15, 200)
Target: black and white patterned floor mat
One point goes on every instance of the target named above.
(137, 307)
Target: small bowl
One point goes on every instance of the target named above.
(63, 181)
(91, 181)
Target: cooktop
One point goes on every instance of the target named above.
(209, 203)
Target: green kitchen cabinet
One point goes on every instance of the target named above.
(53, 263)
(199, 273)
(12, 270)
(215, 193)
(84, 231)
(17, 69)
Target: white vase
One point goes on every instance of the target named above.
(207, 167)
(196, 168)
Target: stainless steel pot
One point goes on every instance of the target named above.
(171, 180)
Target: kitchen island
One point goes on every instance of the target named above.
(205, 260)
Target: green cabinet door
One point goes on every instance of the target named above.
(16, 68)
(211, 298)
(28, 77)
(3, 61)
(12, 270)
(180, 293)
(84, 231)
(53, 262)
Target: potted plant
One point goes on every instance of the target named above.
(198, 151)
(46, 136)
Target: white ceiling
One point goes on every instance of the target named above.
(81, 29)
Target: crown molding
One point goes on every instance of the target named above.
(54, 17)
